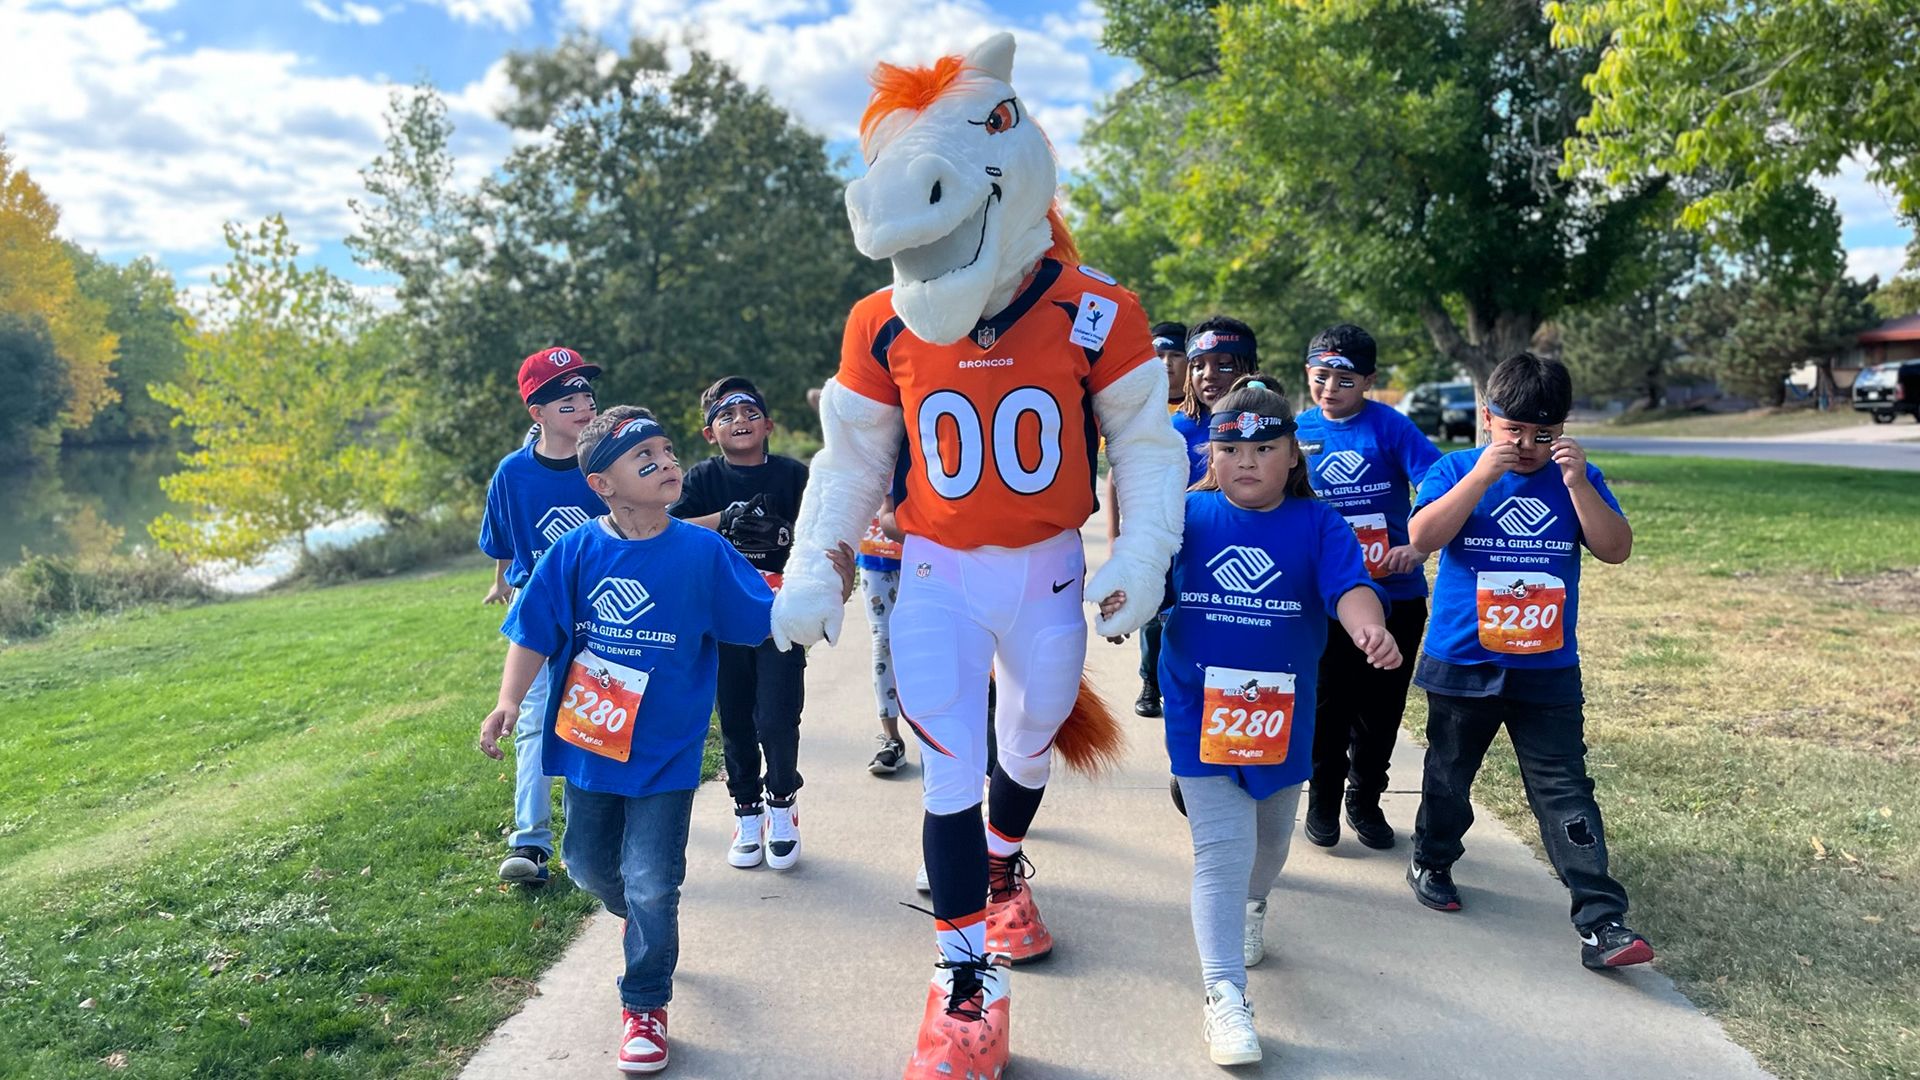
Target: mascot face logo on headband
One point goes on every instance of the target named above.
(959, 189)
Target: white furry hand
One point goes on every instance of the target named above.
(804, 613)
(1143, 580)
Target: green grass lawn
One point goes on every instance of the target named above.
(1752, 424)
(1753, 685)
(254, 839)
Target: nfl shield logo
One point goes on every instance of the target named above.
(1249, 425)
(986, 336)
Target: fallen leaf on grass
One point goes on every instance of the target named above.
(245, 1020)
(1886, 811)
(1805, 961)
(1873, 920)
(89, 1004)
(1819, 849)
(115, 1060)
(366, 871)
(503, 982)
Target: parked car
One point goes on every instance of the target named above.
(1443, 410)
(1887, 390)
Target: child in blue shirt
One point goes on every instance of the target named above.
(621, 622)
(1365, 460)
(1262, 564)
(1509, 520)
(536, 496)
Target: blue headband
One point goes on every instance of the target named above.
(737, 397)
(1540, 417)
(625, 435)
(1215, 341)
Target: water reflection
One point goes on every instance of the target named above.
(91, 500)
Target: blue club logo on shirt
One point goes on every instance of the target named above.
(1243, 569)
(1344, 467)
(619, 600)
(1522, 515)
(560, 521)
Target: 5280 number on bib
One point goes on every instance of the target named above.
(1521, 613)
(601, 702)
(1371, 531)
(1246, 717)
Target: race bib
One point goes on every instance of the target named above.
(1521, 613)
(1371, 531)
(877, 545)
(1246, 717)
(601, 703)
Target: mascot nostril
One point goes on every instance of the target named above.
(995, 362)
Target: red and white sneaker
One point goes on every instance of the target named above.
(964, 1031)
(643, 1041)
(1014, 926)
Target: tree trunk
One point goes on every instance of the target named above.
(1492, 336)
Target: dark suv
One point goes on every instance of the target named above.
(1887, 390)
(1442, 410)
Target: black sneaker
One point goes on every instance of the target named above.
(1148, 703)
(1612, 945)
(893, 752)
(1369, 824)
(1322, 822)
(1433, 888)
(525, 865)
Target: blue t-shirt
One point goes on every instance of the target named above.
(1520, 548)
(1253, 590)
(530, 506)
(659, 605)
(1195, 432)
(1367, 466)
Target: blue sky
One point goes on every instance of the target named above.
(152, 121)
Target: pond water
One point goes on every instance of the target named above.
(96, 500)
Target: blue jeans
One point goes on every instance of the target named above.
(532, 790)
(631, 853)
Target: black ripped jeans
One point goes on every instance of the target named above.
(1550, 744)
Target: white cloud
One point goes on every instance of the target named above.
(814, 57)
(507, 14)
(148, 145)
(1866, 262)
(348, 12)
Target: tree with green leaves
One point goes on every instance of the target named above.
(143, 311)
(672, 227)
(1631, 346)
(1405, 158)
(32, 379)
(294, 393)
(1755, 326)
(1745, 99)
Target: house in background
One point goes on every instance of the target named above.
(1895, 339)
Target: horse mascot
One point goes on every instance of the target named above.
(1004, 362)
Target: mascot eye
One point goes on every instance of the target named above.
(1004, 116)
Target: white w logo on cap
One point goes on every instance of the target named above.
(561, 357)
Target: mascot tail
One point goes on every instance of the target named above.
(1091, 741)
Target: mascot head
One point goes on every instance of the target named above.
(959, 190)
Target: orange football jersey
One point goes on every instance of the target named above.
(1000, 428)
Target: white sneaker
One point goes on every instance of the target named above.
(1253, 944)
(749, 846)
(920, 884)
(783, 834)
(1231, 1039)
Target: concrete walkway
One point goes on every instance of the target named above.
(819, 973)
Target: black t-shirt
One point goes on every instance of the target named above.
(714, 485)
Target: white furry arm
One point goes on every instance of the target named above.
(845, 484)
(1150, 480)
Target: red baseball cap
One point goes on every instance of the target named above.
(543, 367)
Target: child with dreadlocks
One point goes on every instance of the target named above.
(1261, 567)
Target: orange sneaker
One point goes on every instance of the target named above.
(963, 1035)
(1014, 926)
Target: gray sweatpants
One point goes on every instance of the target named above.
(1239, 847)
